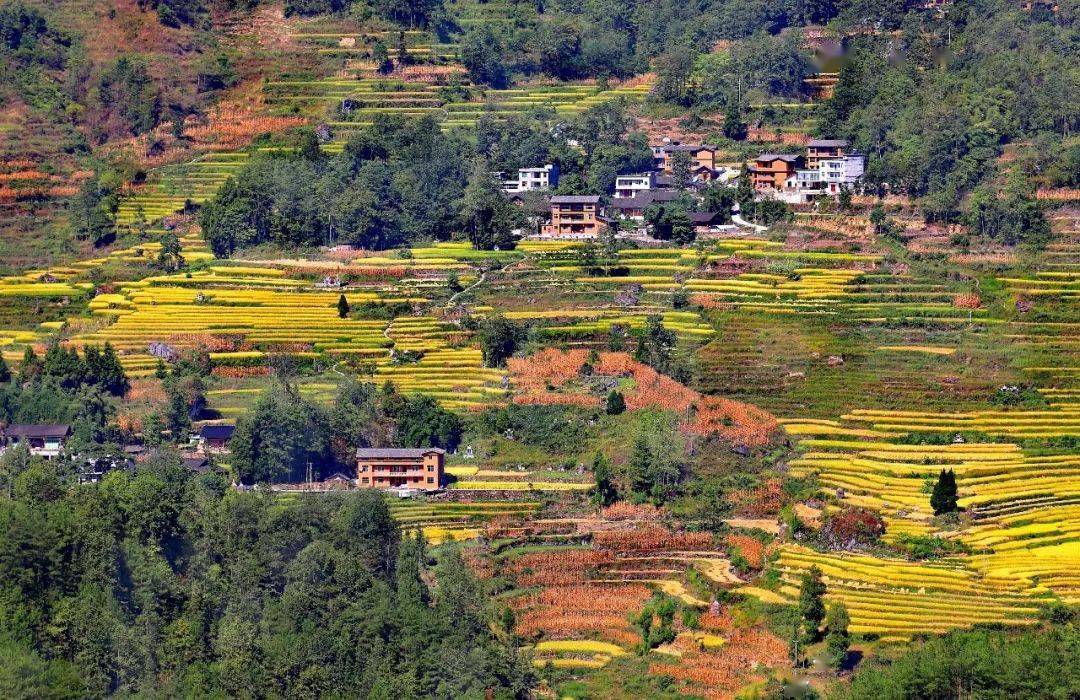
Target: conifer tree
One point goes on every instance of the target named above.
(837, 637)
(943, 498)
(812, 601)
(616, 404)
(605, 493)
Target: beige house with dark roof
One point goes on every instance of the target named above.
(392, 467)
(574, 216)
(43, 440)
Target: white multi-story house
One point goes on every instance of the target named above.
(627, 186)
(827, 178)
(534, 179)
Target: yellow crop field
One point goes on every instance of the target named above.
(1022, 544)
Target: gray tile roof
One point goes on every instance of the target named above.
(828, 143)
(789, 157)
(576, 199)
(671, 148)
(644, 199)
(396, 452)
(36, 430)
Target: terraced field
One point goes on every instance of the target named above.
(1026, 529)
(454, 521)
(172, 187)
(897, 599)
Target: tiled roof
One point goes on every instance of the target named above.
(787, 157)
(196, 464)
(828, 143)
(396, 452)
(217, 432)
(702, 217)
(671, 148)
(576, 199)
(644, 199)
(37, 430)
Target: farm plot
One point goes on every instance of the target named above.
(454, 521)
(898, 599)
(171, 187)
(1024, 506)
(576, 605)
(364, 98)
(243, 314)
(894, 478)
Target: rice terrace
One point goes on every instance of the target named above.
(521, 349)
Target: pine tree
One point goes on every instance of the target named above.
(812, 601)
(30, 367)
(381, 57)
(943, 498)
(343, 307)
(616, 404)
(640, 466)
(837, 638)
(734, 127)
(402, 50)
(605, 493)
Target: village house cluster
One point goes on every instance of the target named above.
(827, 168)
(412, 469)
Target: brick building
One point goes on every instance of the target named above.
(574, 217)
(384, 468)
(771, 171)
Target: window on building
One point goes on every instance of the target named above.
(430, 480)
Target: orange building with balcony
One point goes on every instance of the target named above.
(771, 171)
(390, 467)
(574, 217)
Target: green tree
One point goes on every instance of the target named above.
(837, 637)
(482, 55)
(487, 215)
(279, 438)
(812, 602)
(615, 403)
(734, 127)
(14, 462)
(943, 498)
(499, 340)
(380, 55)
(844, 199)
(681, 174)
(604, 492)
(176, 413)
(656, 345)
(5, 371)
(169, 257)
(343, 307)
(674, 71)
(403, 57)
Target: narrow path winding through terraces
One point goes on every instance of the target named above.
(477, 283)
